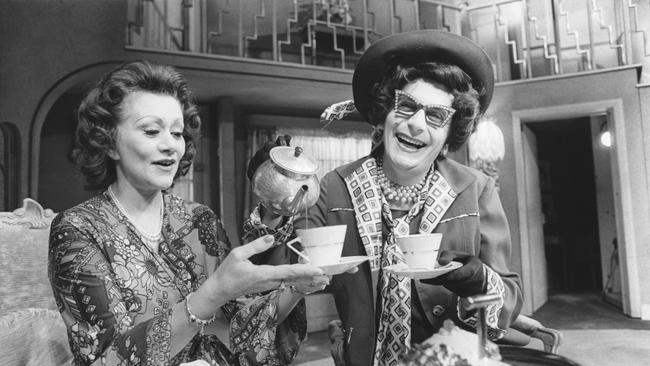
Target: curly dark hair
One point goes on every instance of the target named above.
(466, 98)
(102, 108)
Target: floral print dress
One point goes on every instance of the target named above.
(116, 295)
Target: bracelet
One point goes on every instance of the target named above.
(295, 290)
(195, 319)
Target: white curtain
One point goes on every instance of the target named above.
(330, 149)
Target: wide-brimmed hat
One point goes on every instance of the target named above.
(415, 47)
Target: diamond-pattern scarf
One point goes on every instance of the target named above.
(394, 333)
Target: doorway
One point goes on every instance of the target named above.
(569, 205)
(621, 191)
(570, 231)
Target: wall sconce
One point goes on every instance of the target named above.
(605, 136)
(486, 148)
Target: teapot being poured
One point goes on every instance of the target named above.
(287, 183)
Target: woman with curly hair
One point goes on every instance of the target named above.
(423, 91)
(141, 276)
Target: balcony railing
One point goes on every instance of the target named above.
(525, 38)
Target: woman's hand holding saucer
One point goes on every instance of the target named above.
(236, 276)
(468, 280)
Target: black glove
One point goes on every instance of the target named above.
(468, 280)
(262, 154)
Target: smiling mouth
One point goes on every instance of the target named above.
(409, 142)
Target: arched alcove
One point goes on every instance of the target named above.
(60, 184)
(54, 118)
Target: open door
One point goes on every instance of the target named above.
(537, 293)
(611, 277)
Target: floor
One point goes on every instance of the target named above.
(595, 333)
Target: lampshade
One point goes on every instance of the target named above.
(486, 143)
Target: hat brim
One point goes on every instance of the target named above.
(416, 47)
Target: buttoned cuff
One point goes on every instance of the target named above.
(495, 285)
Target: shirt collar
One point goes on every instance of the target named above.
(459, 176)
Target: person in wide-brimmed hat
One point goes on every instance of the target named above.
(423, 91)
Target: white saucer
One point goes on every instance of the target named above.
(422, 273)
(344, 264)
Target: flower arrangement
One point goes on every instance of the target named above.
(451, 346)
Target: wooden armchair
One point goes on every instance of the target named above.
(521, 332)
(525, 328)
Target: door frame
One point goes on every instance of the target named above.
(533, 211)
(619, 153)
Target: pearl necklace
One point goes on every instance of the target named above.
(398, 193)
(151, 238)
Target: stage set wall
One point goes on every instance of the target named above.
(52, 48)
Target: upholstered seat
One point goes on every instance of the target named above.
(33, 337)
(31, 329)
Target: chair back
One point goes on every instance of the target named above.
(31, 329)
(24, 236)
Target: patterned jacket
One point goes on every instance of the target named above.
(475, 223)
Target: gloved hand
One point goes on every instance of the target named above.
(465, 281)
(262, 154)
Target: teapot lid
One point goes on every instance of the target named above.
(292, 159)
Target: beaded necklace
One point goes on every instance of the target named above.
(397, 193)
(148, 237)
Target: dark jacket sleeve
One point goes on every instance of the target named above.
(495, 248)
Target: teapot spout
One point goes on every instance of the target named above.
(297, 202)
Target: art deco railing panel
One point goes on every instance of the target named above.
(524, 38)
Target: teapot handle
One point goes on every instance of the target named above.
(296, 250)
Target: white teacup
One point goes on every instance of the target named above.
(420, 250)
(321, 245)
